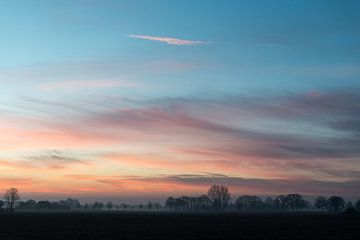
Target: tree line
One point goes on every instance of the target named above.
(11, 201)
(217, 198)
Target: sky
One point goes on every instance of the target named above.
(138, 100)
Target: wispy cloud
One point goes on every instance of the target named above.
(54, 159)
(315, 138)
(176, 183)
(15, 182)
(168, 40)
(76, 84)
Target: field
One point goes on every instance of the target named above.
(137, 225)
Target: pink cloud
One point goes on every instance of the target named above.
(168, 40)
(14, 182)
(86, 84)
(176, 135)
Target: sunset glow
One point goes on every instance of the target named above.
(98, 103)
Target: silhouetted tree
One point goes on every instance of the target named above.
(280, 202)
(157, 206)
(247, 202)
(149, 205)
(123, 206)
(182, 203)
(269, 203)
(1, 205)
(170, 203)
(71, 203)
(291, 201)
(109, 205)
(29, 204)
(219, 195)
(335, 204)
(98, 205)
(321, 203)
(295, 201)
(11, 197)
(43, 205)
(349, 204)
(204, 202)
(357, 205)
(186, 203)
(308, 205)
(277, 203)
(59, 206)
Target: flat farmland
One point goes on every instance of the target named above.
(164, 225)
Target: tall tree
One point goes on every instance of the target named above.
(124, 206)
(11, 197)
(98, 205)
(109, 205)
(281, 202)
(335, 204)
(219, 195)
(269, 203)
(149, 205)
(204, 202)
(248, 202)
(320, 203)
(357, 205)
(170, 203)
(295, 201)
(349, 204)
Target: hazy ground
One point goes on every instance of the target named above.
(122, 225)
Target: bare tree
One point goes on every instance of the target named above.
(219, 195)
(335, 204)
(98, 206)
(295, 201)
(357, 205)
(149, 205)
(248, 202)
(349, 204)
(204, 202)
(109, 205)
(11, 197)
(320, 203)
(281, 202)
(124, 206)
(170, 203)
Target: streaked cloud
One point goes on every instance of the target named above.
(301, 138)
(15, 182)
(175, 184)
(332, 116)
(68, 85)
(52, 159)
(168, 40)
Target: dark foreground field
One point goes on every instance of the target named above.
(120, 225)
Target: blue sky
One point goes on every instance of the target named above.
(213, 71)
